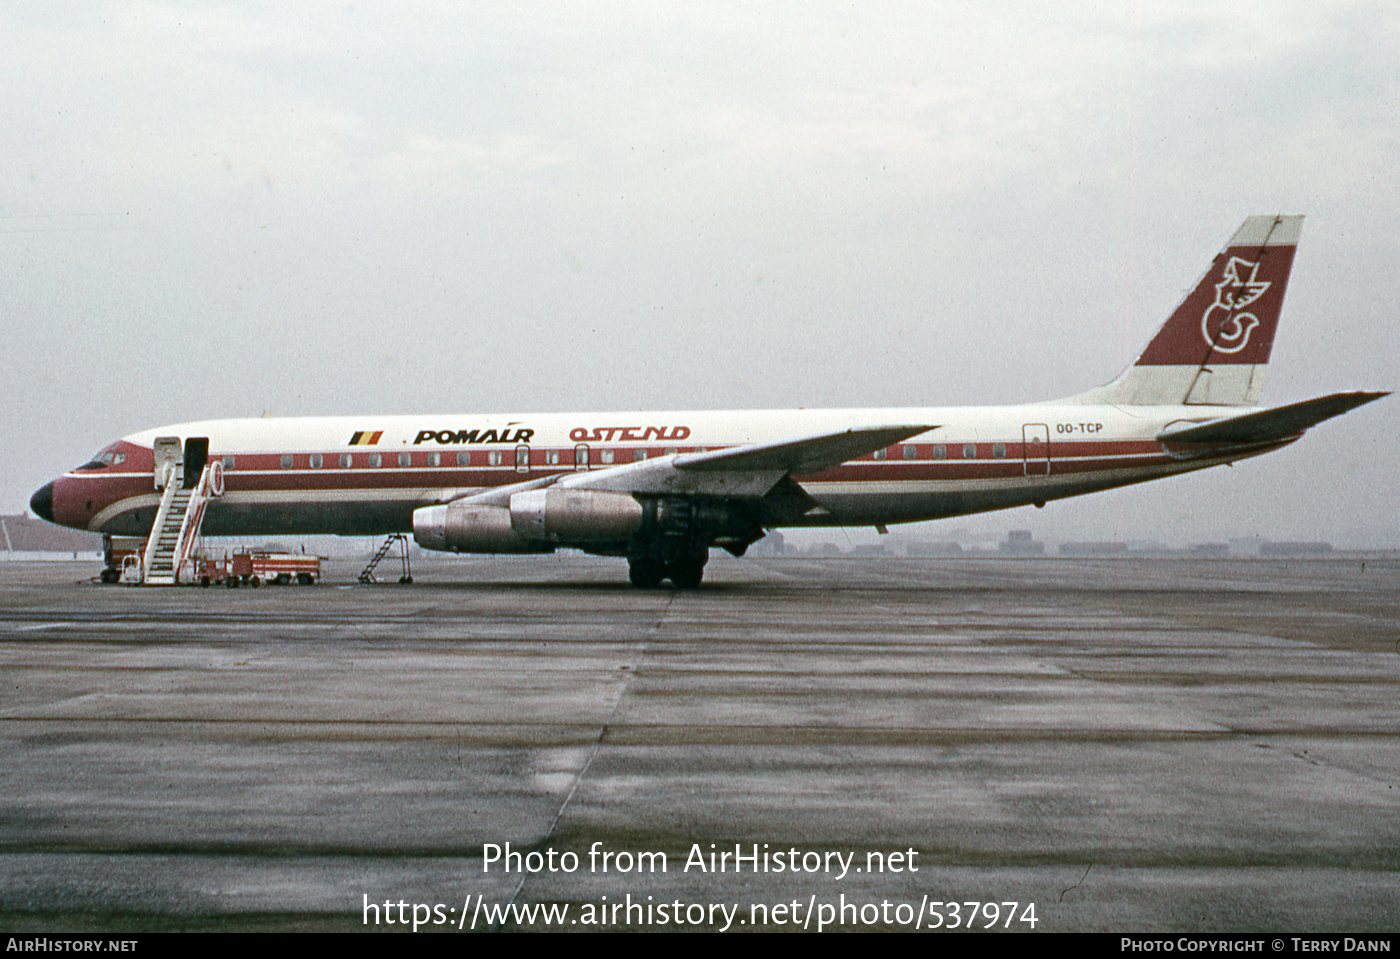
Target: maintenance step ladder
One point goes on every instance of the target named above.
(367, 574)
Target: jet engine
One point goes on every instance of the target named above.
(533, 523)
(461, 528)
(597, 521)
(575, 516)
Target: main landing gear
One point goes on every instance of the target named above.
(676, 535)
(647, 570)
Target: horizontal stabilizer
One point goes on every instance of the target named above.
(1268, 425)
(810, 455)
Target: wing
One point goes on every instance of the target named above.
(811, 454)
(739, 471)
(499, 495)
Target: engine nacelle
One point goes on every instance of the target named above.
(460, 528)
(594, 520)
(574, 516)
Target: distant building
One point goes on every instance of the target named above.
(772, 545)
(1094, 549)
(26, 534)
(1294, 549)
(1020, 542)
(927, 548)
(1247, 545)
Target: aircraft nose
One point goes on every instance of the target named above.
(42, 502)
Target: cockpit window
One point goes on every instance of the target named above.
(103, 460)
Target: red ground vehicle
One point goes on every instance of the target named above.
(257, 566)
(211, 570)
(207, 569)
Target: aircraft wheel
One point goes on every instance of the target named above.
(111, 576)
(305, 579)
(644, 574)
(231, 582)
(687, 574)
(254, 581)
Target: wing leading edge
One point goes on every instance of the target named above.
(739, 471)
(810, 454)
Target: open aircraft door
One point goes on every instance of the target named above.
(168, 453)
(196, 458)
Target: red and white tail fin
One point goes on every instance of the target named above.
(1215, 346)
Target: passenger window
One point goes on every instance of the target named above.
(551, 458)
(405, 459)
(228, 462)
(940, 451)
(464, 459)
(606, 456)
(581, 457)
(639, 455)
(286, 461)
(493, 458)
(522, 459)
(878, 454)
(346, 461)
(375, 460)
(671, 451)
(315, 461)
(911, 452)
(999, 450)
(969, 451)
(434, 459)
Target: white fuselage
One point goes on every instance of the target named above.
(366, 475)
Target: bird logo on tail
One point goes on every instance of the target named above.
(1224, 327)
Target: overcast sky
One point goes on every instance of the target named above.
(220, 209)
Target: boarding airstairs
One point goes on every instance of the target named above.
(178, 521)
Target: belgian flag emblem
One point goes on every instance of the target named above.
(366, 438)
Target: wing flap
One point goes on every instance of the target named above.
(1268, 426)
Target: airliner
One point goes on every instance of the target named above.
(663, 488)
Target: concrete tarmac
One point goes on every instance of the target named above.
(1128, 745)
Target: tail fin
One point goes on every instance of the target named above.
(1215, 346)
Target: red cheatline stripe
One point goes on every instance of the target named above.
(249, 477)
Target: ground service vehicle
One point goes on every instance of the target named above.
(254, 567)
